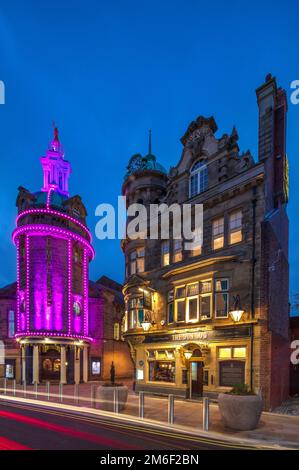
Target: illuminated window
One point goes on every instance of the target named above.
(192, 309)
(162, 371)
(198, 181)
(205, 306)
(240, 352)
(116, 331)
(177, 250)
(180, 310)
(133, 262)
(136, 312)
(221, 298)
(218, 233)
(192, 289)
(137, 261)
(11, 323)
(77, 308)
(225, 353)
(140, 260)
(235, 227)
(196, 250)
(165, 253)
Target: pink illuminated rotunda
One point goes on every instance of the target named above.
(53, 253)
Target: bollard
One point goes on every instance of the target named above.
(76, 394)
(141, 405)
(116, 402)
(205, 413)
(24, 389)
(92, 396)
(14, 387)
(5, 386)
(48, 390)
(60, 392)
(170, 409)
(35, 389)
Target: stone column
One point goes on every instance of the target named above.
(62, 365)
(35, 368)
(76, 365)
(23, 364)
(85, 364)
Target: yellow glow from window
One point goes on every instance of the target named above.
(235, 237)
(225, 353)
(240, 352)
(165, 259)
(218, 242)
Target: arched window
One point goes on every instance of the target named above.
(77, 308)
(198, 178)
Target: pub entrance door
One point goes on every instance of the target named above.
(196, 379)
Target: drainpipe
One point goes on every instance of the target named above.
(253, 262)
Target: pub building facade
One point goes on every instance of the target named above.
(55, 323)
(201, 321)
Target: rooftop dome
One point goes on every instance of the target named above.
(138, 164)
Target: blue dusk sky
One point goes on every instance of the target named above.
(107, 71)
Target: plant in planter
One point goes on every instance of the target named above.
(240, 408)
(110, 392)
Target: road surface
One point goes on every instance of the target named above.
(24, 426)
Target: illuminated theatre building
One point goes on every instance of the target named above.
(52, 318)
(201, 322)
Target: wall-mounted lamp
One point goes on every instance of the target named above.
(237, 312)
(188, 354)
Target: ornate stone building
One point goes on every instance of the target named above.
(204, 320)
(55, 323)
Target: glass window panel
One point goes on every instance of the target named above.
(221, 284)
(140, 316)
(192, 289)
(235, 237)
(180, 292)
(177, 256)
(140, 265)
(193, 309)
(205, 286)
(180, 306)
(205, 306)
(240, 352)
(162, 371)
(170, 296)
(170, 313)
(218, 243)
(225, 353)
(221, 301)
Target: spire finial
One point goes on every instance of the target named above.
(55, 131)
(150, 142)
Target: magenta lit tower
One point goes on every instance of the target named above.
(53, 253)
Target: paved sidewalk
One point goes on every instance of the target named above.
(274, 428)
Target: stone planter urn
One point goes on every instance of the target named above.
(106, 394)
(240, 412)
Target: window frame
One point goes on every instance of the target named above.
(201, 175)
(235, 229)
(222, 291)
(218, 235)
(165, 253)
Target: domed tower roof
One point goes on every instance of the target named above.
(139, 164)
